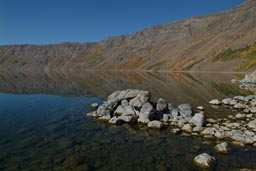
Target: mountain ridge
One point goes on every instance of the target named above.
(190, 44)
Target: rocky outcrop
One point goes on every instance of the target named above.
(190, 44)
(136, 107)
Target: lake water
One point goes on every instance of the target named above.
(43, 125)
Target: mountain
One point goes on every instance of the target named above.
(224, 41)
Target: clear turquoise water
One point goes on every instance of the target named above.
(43, 131)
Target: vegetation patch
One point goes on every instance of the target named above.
(193, 64)
(248, 53)
(156, 66)
(229, 90)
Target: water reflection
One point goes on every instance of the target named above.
(194, 88)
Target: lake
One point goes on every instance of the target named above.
(43, 125)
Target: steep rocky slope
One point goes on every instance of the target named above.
(192, 44)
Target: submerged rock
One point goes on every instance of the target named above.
(222, 148)
(204, 161)
(94, 105)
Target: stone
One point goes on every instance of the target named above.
(166, 117)
(127, 94)
(200, 108)
(185, 110)
(240, 116)
(175, 130)
(174, 113)
(220, 134)
(116, 120)
(138, 101)
(124, 109)
(210, 120)
(240, 98)
(94, 105)
(208, 131)
(238, 143)
(233, 102)
(226, 101)
(187, 128)
(253, 109)
(103, 110)
(161, 105)
(204, 161)
(126, 118)
(92, 114)
(145, 111)
(197, 129)
(252, 124)
(249, 98)
(105, 117)
(155, 124)
(215, 102)
(222, 148)
(253, 102)
(239, 106)
(199, 119)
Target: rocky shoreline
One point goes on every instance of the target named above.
(136, 107)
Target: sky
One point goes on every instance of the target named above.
(56, 21)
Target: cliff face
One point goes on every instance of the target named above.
(191, 44)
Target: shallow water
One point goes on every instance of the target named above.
(43, 126)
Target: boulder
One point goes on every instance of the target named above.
(240, 98)
(126, 118)
(252, 124)
(161, 105)
(222, 148)
(199, 119)
(185, 110)
(239, 106)
(145, 112)
(226, 101)
(166, 117)
(204, 161)
(139, 100)
(124, 109)
(215, 102)
(116, 120)
(155, 124)
(208, 131)
(174, 113)
(187, 128)
(103, 109)
(126, 94)
(240, 116)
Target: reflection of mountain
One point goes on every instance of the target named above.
(175, 87)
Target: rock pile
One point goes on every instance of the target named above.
(136, 107)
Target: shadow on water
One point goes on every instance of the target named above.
(42, 126)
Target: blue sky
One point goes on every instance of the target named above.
(56, 21)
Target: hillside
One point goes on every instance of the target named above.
(223, 41)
